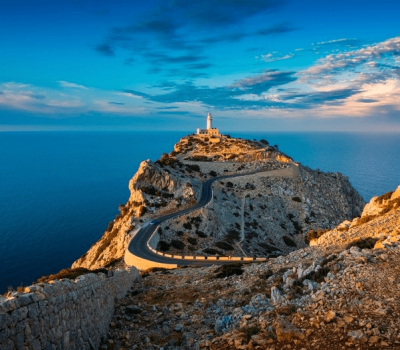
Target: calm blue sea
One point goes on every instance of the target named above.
(59, 190)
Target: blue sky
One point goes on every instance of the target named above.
(255, 64)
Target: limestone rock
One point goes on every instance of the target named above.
(285, 331)
(329, 316)
(276, 296)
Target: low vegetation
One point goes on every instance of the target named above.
(229, 270)
(314, 234)
(289, 242)
(224, 246)
(70, 274)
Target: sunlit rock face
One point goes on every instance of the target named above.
(378, 225)
(378, 204)
(266, 214)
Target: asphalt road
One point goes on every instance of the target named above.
(138, 245)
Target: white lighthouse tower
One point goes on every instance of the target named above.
(211, 134)
(209, 121)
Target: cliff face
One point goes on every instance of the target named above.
(266, 214)
(154, 191)
(378, 224)
(378, 204)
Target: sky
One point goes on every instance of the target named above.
(256, 65)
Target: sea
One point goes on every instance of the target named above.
(59, 190)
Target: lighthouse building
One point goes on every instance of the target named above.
(210, 132)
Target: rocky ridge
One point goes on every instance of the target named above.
(257, 215)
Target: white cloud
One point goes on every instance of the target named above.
(334, 41)
(130, 95)
(71, 99)
(353, 59)
(66, 84)
(271, 57)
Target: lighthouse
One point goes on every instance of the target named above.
(209, 121)
(211, 134)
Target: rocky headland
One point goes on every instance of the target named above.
(266, 214)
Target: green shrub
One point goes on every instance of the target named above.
(193, 167)
(201, 234)
(233, 235)
(289, 242)
(229, 270)
(251, 235)
(224, 246)
(187, 225)
(249, 331)
(150, 190)
(267, 247)
(176, 243)
(212, 251)
(363, 243)
(163, 246)
(192, 240)
(142, 210)
(311, 235)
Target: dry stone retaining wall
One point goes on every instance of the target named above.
(63, 314)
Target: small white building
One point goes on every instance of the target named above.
(212, 133)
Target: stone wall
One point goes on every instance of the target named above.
(63, 314)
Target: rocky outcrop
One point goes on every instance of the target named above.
(64, 314)
(379, 220)
(154, 187)
(377, 204)
(267, 214)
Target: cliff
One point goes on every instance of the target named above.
(265, 214)
(379, 224)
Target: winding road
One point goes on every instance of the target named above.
(138, 249)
